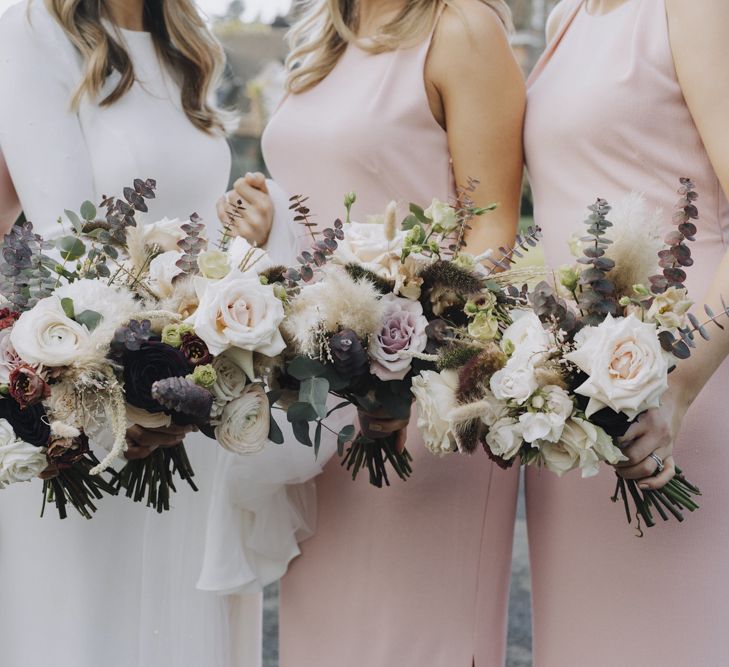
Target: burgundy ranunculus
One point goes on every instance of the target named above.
(30, 425)
(27, 387)
(8, 318)
(195, 349)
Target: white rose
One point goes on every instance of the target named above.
(435, 399)
(548, 423)
(46, 335)
(505, 438)
(214, 264)
(494, 409)
(9, 359)
(366, 243)
(442, 215)
(515, 382)
(238, 311)
(586, 444)
(165, 234)
(627, 369)
(230, 378)
(163, 270)
(19, 461)
(245, 422)
(528, 336)
(669, 309)
(558, 458)
(246, 257)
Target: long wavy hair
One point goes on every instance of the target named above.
(325, 27)
(182, 40)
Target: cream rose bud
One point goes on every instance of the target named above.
(163, 270)
(505, 438)
(46, 335)
(238, 311)
(165, 234)
(484, 326)
(527, 337)
(558, 458)
(19, 461)
(670, 308)
(402, 332)
(245, 422)
(435, 400)
(588, 444)
(515, 382)
(627, 369)
(442, 215)
(214, 264)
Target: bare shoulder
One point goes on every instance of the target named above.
(470, 21)
(699, 15)
(698, 35)
(556, 17)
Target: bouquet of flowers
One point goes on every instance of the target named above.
(368, 308)
(581, 360)
(116, 324)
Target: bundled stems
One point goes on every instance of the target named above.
(375, 455)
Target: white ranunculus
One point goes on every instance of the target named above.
(505, 438)
(669, 309)
(527, 335)
(548, 422)
(163, 270)
(46, 335)
(246, 257)
(9, 359)
(515, 382)
(435, 399)
(627, 369)
(19, 461)
(165, 234)
(442, 215)
(245, 422)
(238, 311)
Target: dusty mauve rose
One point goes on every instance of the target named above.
(8, 318)
(402, 332)
(27, 387)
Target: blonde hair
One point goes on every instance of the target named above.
(182, 40)
(325, 27)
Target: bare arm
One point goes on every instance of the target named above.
(482, 97)
(9, 204)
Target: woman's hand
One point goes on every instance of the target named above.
(379, 425)
(654, 434)
(248, 209)
(143, 441)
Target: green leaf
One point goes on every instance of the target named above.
(419, 213)
(409, 223)
(345, 436)
(67, 305)
(71, 247)
(336, 381)
(314, 392)
(275, 434)
(75, 221)
(88, 211)
(303, 368)
(301, 432)
(317, 440)
(89, 318)
(301, 412)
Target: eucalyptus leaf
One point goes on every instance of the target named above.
(303, 368)
(317, 439)
(301, 412)
(345, 436)
(75, 221)
(67, 305)
(88, 211)
(419, 213)
(71, 247)
(301, 432)
(314, 392)
(275, 435)
(89, 318)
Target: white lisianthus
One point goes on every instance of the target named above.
(528, 337)
(246, 257)
(238, 311)
(435, 399)
(505, 438)
(493, 410)
(163, 270)
(442, 216)
(19, 461)
(402, 332)
(515, 382)
(165, 234)
(670, 308)
(547, 423)
(245, 422)
(484, 326)
(46, 335)
(627, 369)
(214, 264)
(9, 359)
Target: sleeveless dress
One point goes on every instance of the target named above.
(118, 590)
(606, 116)
(418, 573)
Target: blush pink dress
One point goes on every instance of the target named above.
(416, 574)
(606, 116)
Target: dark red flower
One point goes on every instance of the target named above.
(27, 387)
(195, 350)
(7, 318)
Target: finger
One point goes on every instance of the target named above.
(135, 451)
(172, 429)
(661, 479)
(636, 430)
(253, 196)
(641, 448)
(647, 467)
(257, 180)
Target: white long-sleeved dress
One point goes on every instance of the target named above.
(120, 590)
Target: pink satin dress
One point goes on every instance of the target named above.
(417, 574)
(606, 116)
